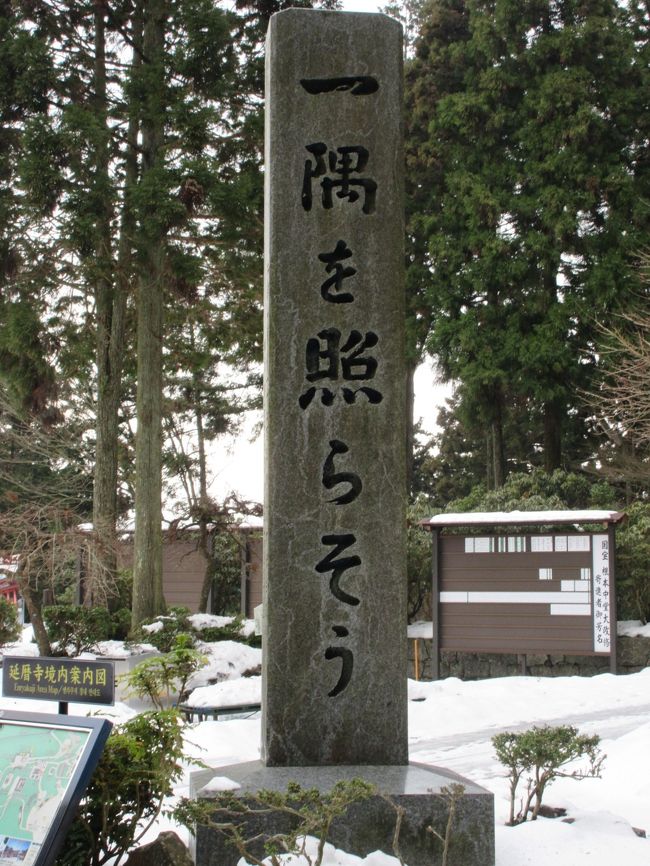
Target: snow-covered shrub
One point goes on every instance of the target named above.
(163, 630)
(542, 755)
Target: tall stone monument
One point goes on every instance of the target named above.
(334, 529)
(334, 702)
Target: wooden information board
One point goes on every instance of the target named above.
(526, 593)
(524, 582)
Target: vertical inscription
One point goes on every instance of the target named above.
(335, 645)
(600, 593)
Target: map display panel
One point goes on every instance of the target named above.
(44, 768)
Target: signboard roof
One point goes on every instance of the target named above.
(520, 518)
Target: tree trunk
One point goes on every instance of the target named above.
(110, 308)
(33, 605)
(489, 460)
(553, 411)
(205, 540)
(410, 427)
(495, 451)
(111, 302)
(205, 548)
(148, 597)
(498, 445)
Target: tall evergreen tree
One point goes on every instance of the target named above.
(525, 154)
(130, 184)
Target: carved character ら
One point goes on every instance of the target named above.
(331, 478)
(338, 566)
(333, 261)
(341, 165)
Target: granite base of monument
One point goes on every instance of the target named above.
(370, 824)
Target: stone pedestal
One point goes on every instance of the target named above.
(368, 825)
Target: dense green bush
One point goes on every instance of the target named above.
(140, 763)
(121, 624)
(166, 629)
(9, 625)
(539, 491)
(633, 564)
(75, 629)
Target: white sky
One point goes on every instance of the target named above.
(362, 5)
(238, 463)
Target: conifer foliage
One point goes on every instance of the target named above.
(130, 223)
(526, 143)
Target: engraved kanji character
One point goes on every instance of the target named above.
(333, 361)
(342, 163)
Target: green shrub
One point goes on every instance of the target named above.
(120, 624)
(542, 755)
(76, 629)
(308, 812)
(633, 564)
(141, 761)
(229, 631)
(166, 630)
(9, 625)
(159, 677)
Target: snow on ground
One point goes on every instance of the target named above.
(209, 620)
(633, 628)
(230, 693)
(450, 724)
(454, 706)
(227, 660)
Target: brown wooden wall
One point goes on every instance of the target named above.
(183, 570)
(251, 573)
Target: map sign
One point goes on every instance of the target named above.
(45, 764)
